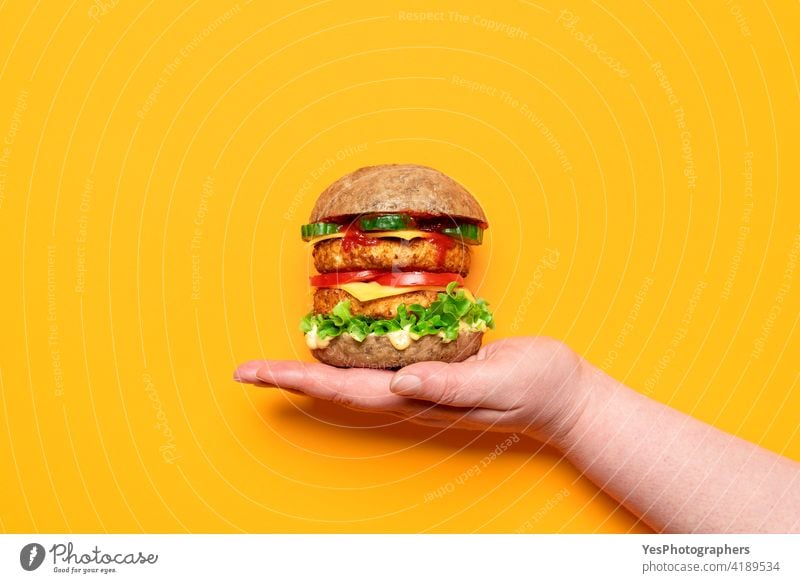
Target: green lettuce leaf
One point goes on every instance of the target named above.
(443, 316)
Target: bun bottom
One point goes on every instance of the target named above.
(377, 352)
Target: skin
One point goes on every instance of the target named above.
(675, 472)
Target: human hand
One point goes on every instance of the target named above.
(529, 385)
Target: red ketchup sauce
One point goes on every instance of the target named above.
(433, 225)
(443, 243)
(354, 236)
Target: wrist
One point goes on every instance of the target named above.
(592, 387)
(562, 393)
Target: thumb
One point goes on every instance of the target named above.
(459, 384)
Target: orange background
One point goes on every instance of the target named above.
(637, 162)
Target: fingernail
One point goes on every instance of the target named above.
(405, 384)
(246, 373)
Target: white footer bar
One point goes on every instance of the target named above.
(400, 558)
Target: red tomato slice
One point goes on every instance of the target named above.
(336, 278)
(389, 278)
(413, 278)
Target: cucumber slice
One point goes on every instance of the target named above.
(312, 230)
(385, 223)
(469, 233)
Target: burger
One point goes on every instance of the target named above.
(391, 245)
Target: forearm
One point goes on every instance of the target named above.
(675, 472)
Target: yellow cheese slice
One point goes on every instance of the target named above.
(407, 234)
(368, 291)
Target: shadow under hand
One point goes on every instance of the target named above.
(317, 415)
(314, 413)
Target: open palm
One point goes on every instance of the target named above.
(523, 384)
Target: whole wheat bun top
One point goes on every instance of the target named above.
(391, 188)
